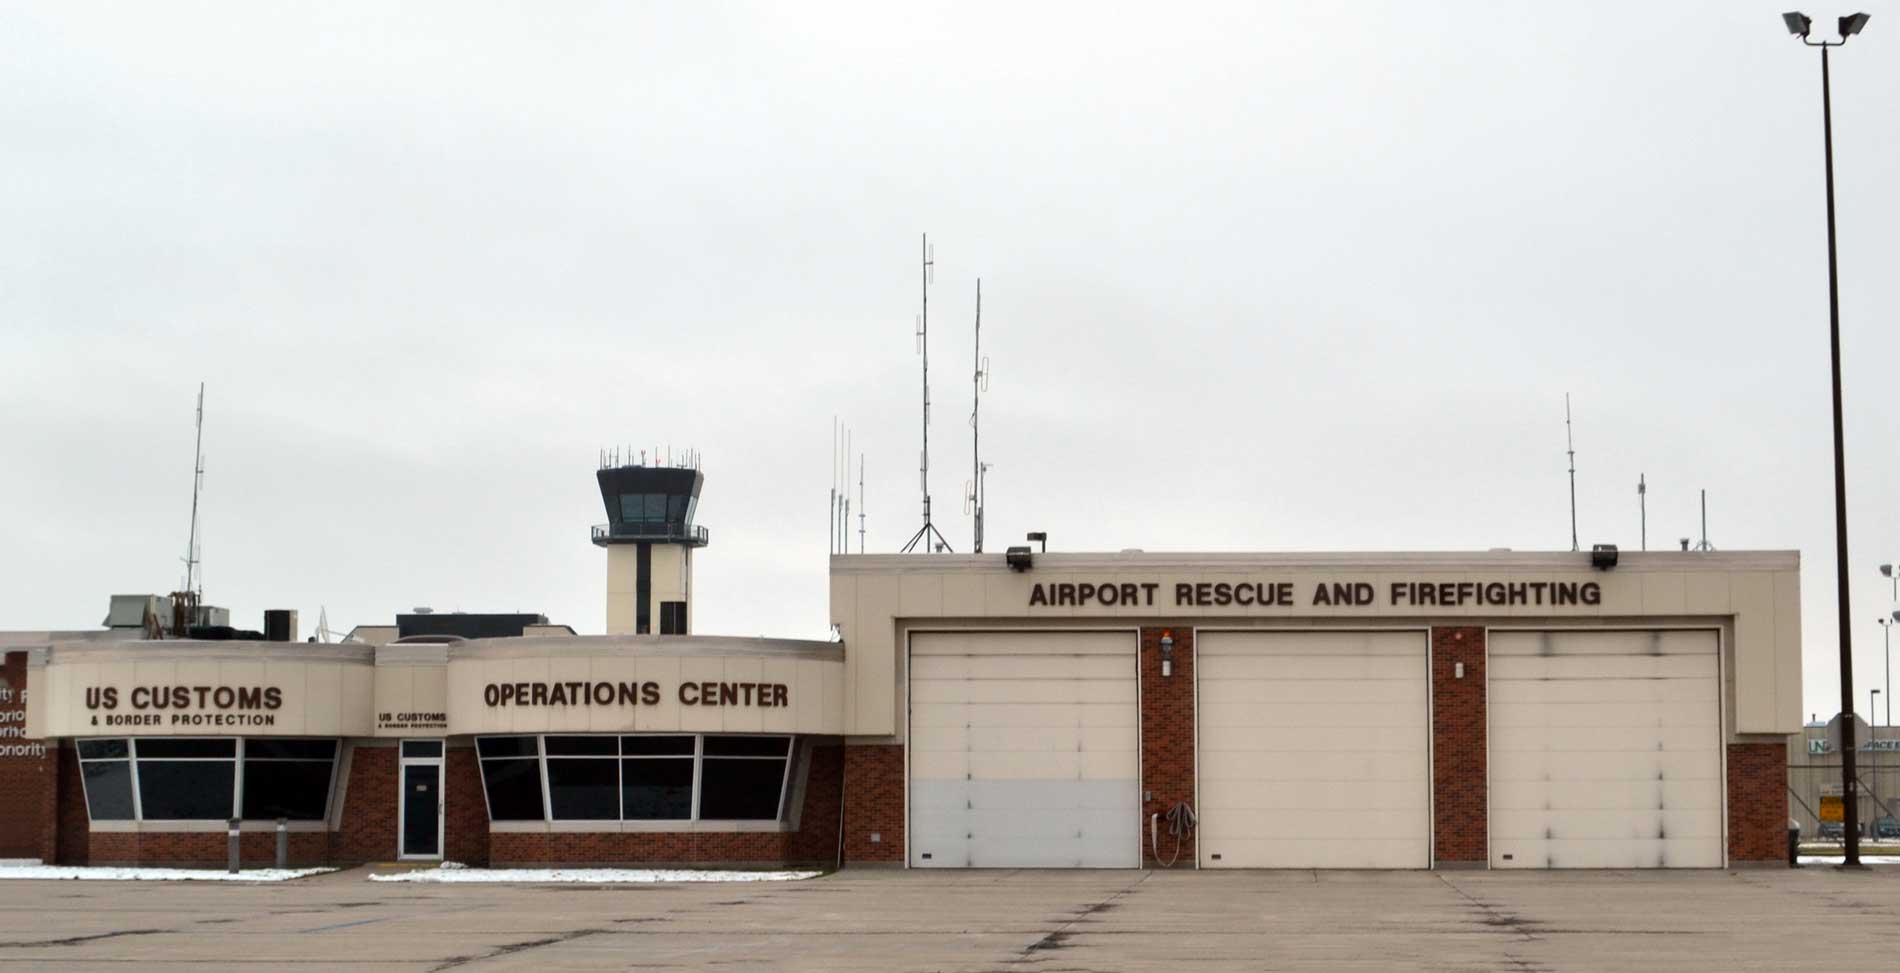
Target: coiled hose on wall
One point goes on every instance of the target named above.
(1180, 824)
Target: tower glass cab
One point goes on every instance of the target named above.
(650, 537)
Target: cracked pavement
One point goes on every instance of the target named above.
(1040, 921)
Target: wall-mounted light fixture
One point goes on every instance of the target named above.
(1167, 654)
(1018, 558)
(1603, 556)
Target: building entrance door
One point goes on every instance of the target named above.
(421, 804)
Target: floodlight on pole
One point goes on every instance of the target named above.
(1799, 25)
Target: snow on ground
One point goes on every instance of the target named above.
(1836, 859)
(457, 872)
(156, 874)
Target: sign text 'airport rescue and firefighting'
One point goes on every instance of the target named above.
(1281, 594)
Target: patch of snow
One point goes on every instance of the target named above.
(88, 873)
(1836, 859)
(457, 872)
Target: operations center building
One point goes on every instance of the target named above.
(1330, 710)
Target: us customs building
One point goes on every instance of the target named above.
(1056, 710)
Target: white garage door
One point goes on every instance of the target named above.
(1314, 750)
(1024, 750)
(1605, 750)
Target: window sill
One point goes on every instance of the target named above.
(635, 827)
(202, 827)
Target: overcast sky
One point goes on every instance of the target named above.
(1291, 278)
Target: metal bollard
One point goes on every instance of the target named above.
(283, 842)
(231, 854)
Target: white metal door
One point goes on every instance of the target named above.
(1315, 750)
(1024, 750)
(1605, 750)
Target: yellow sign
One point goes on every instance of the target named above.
(1832, 808)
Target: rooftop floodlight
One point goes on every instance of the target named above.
(1886, 570)
(1018, 558)
(1041, 537)
(1852, 23)
(1798, 23)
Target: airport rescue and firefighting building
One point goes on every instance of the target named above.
(1051, 710)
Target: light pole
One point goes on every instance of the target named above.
(1873, 757)
(1799, 24)
(1886, 661)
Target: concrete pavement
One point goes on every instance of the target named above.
(1004, 920)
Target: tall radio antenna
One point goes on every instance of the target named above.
(1642, 508)
(1571, 448)
(979, 381)
(1704, 545)
(197, 486)
(928, 530)
(860, 503)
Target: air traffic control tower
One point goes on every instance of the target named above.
(649, 536)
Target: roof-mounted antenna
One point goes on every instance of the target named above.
(1642, 509)
(1571, 448)
(979, 383)
(197, 487)
(831, 506)
(928, 530)
(1704, 545)
(860, 503)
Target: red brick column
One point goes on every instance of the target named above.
(1167, 738)
(874, 803)
(1460, 785)
(367, 830)
(465, 822)
(74, 822)
(28, 781)
(816, 840)
(1757, 803)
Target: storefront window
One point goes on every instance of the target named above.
(287, 779)
(635, 778)
(105, 766)
(511, 776)
(183, 779)
(656, 778)
(196, 779)
(740, 778)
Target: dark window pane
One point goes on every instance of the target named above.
(268, 749)
(506, 746)
(108, 790)
(656, 746)
(745, 746)
(581, 746)
(102, 749)
(514, 789)
(186, 790)
(676, 509)
(422, 748)
(294, 789)
(584, 790)
(740, 790)
(655, 507)
(657, 790)
(630, 507)
(169, 747)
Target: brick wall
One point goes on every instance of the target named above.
(1167, 738)
(1757, 802)
(1459, 776)
(465, 828)
(28, 782)
(874, 803)
(74, 841)
(367, 831)
(813, 844)
(205, 849)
